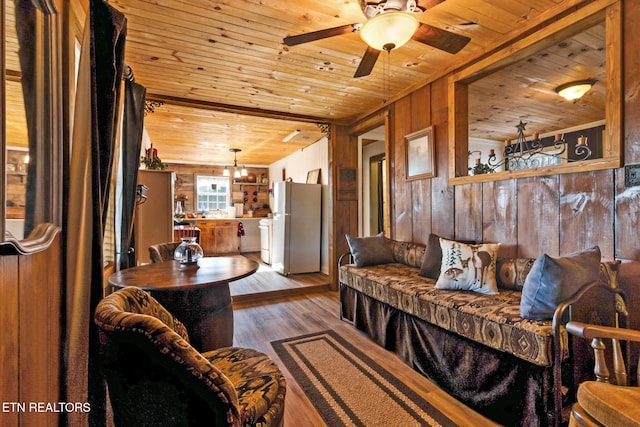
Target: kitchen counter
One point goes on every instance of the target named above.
(250, 242)
(245, 217)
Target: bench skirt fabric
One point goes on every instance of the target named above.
(498, 385)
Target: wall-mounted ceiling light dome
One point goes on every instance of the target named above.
(389, 30)
(575, 90)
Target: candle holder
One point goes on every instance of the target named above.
(526, 154)
(480, 168)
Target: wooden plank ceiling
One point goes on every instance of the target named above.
(228, 81)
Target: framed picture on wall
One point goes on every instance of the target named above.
(313, 176)
(420, 154)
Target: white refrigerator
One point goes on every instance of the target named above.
(296, 228)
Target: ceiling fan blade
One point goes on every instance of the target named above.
(367, 62)
(440, 39)
(428, 4)
(320, 34)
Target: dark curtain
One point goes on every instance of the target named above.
(107, 67)
(108, 32)
(94, 141)
(134, 96)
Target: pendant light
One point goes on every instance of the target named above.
(236, 172)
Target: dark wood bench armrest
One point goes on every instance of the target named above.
(587, 331)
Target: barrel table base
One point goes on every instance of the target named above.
(196, 294)
(207, 313)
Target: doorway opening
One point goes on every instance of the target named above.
(377, 178)
(373, 179)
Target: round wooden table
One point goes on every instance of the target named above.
(197, 294)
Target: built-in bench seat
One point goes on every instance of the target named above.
(450, 335)
(492, 320)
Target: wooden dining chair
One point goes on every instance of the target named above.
(613, 399)
(180, 231)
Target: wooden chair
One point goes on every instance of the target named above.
(608, 401)
(155, 377)
(186, 231)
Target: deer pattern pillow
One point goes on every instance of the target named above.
(468, 267)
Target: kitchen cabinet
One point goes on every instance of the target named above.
(219, 236)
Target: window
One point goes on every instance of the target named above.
(212, 192)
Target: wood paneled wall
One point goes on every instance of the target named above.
(343, 209)
(184, 188)
(555, 214)
(30, 337)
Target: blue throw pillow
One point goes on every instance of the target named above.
(370, 250)
(553, 280)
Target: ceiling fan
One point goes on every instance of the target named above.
(390, 24)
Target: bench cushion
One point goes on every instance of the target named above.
(492, 320)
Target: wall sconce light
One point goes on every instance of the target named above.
(236, 173)
(575, 90)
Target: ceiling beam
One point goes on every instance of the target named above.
(247, 111)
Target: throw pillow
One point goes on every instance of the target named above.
(470, 267)
(512, 272)
(370, 250)
(552, 280)
(432, 258)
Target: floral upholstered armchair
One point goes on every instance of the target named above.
(155, 377)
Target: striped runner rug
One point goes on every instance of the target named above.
(350, 389)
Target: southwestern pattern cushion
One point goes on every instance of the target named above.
(512, 272)
(492, 320)
(408, 253)
(136, 301)
(260, 386)
(243, 383)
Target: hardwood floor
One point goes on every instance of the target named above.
(259, 323)
(266, 284)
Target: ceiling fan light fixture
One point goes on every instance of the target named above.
(574, 90)
(389, 30)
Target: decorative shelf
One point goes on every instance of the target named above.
(253, 184)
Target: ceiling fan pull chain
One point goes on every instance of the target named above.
(387, 78)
